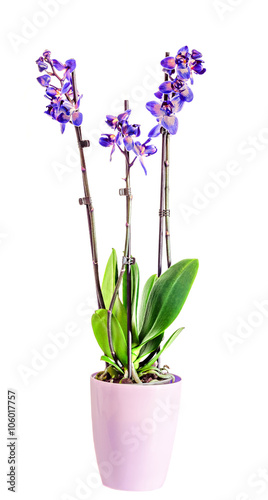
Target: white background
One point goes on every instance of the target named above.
(220, 450)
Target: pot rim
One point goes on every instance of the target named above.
(177, 379)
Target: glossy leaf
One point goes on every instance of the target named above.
(99, 325)
(144, 298)
(109, 279)
(111, 362)
(135, 282)
(150, 346)
(108, 286)
(167, 298)
(166, 345)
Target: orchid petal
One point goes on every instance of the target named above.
(70, 64)
(186, 94)
(128, 143)
(124, 116)
(67, 85)
(155, 131)
(178, 103)
(63, 118)
(195, 54)
(166, 87)
(183, 51)
(183, 72)
(170, 123)
(58, 65)
(168, 62)
(154, 108)
(77, 118)
(142, 164)
(44, 80)
(150, 150)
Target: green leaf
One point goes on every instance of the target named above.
(135, 282)
(167, 297)
(166, 345)
(109, 279)
(111, 362)
(144, 298)
(108, 285)
(99, 325)
(151, 346)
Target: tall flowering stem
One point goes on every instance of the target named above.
(163, 198)
(167, 209)
(88, 203)
(128, 256)
(172, 94)
(58, 80)
(126, 267)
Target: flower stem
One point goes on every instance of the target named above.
(167, 209)
(162, 189)
(89, 206)
(128, 256)
(126, 266)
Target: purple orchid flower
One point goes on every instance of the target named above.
(125, 136)
(125, 131)
(144, 150)
(165, 115)
(62, 107)
(179, 87)
(184, 63)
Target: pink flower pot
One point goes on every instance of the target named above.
(134, 428)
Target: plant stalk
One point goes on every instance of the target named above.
(167, 209)
(162, 189)
(89, 206)
(126, 266)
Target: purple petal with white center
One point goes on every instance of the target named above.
(155, 131)
(51, 91)
(63, 118)
(183, 51)
(168, 63)
(195, 54)
(71, 64)
(47, 53)
(186, 94)
(154, 108)
(166, 87)
(183, 72)
(177, 102)
(42, 65)
(124, 116)
(150, 150)
(44, 80)
(128, 143)
(105, 141)
(77, 118)
(170, 123)
(137, 148)
(67, 85)
(58, 65)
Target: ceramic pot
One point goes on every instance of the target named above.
(133, 429)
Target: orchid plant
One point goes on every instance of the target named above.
(129, 330)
